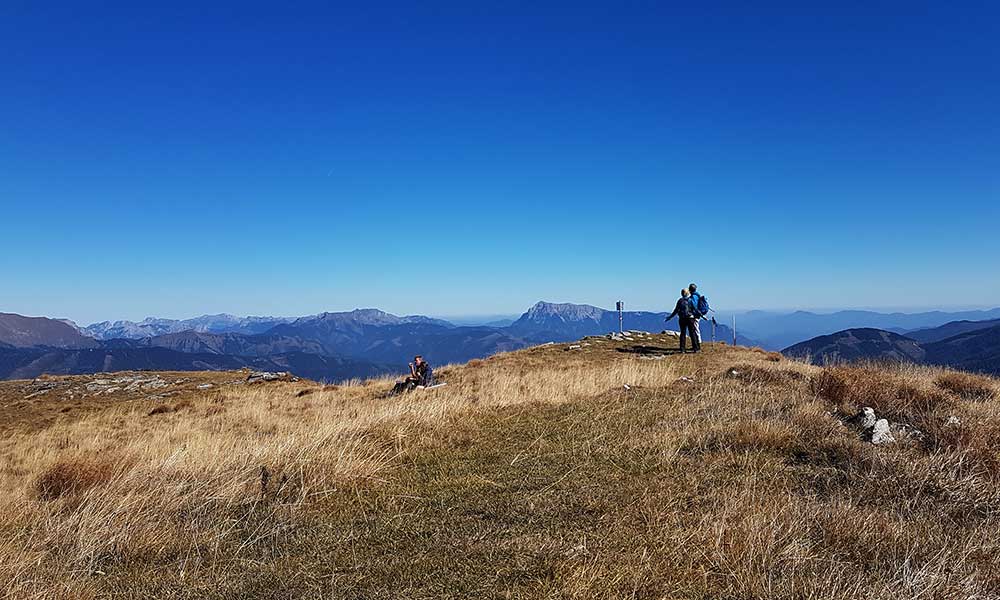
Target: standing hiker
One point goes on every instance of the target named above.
(700, 304)
(684, 311)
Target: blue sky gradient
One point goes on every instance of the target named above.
(472, 158)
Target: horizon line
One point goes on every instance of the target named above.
(492, 316)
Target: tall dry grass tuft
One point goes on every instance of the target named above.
(916, 396)
(76, 476)
(852, 387)
(967, 386)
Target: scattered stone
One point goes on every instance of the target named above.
(879, 431)
(953, 420)
(867, 417)
(256, 376)
(627, 387)
(686, 379)
(574, 347)
(881, 434)
(204, 386)
(901, 430)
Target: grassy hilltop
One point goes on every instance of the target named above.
(611, 470)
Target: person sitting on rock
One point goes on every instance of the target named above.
(420, 374)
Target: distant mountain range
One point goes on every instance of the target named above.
(546, 321)
(858, 344)
(936, 334)
(365, 342)
(779, 330)
(151, 326)
(25, 332)
(225, 323)
(967, 345)
(327, 346)
(976, 350)
(26, 363)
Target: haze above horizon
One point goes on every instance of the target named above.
(479, 319)
(471, 159)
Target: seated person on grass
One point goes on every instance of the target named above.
(420, 374)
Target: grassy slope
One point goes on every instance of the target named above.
(533, 474)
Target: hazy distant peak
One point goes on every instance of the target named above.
(566, 311)
(361, 316)
(20, 332)
(153, 326)
(370, 316)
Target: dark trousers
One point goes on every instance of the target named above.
(403, 386)
(688, 328)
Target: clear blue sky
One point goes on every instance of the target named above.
(472, 158)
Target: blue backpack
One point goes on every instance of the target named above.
(700, 304)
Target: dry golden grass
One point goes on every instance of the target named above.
(540, 473)
(968, 385)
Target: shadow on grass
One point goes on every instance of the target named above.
(648, 350)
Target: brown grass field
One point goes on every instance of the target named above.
(543, 473)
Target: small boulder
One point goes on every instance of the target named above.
(881, 433)
(867, 417)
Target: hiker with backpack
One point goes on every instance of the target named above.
(421, 374)
(685, 312)
(700, 304)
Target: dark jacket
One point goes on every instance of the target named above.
(683, 309)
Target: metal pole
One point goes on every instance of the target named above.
(621, 321)
(734, 330)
